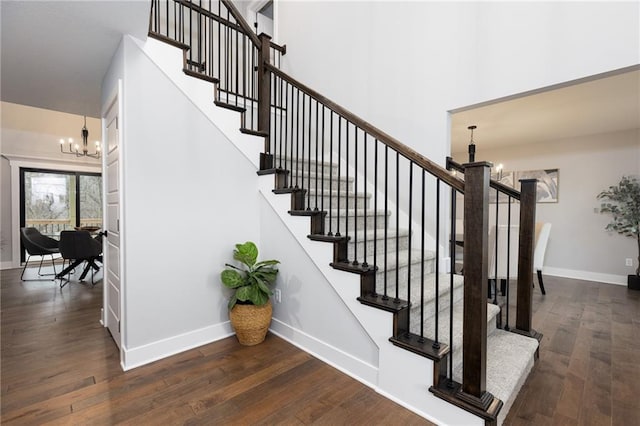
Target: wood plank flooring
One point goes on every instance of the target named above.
(60, 367)
(589, 367)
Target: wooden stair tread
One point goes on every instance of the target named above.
(199, 75)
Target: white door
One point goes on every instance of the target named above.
(112, 247)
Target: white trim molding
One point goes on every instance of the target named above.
(585, 275)
(145, 354)
(337, 358)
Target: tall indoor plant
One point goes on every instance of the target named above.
(623, 202)
(249, 306)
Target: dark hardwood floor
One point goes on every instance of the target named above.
(589, 367)
(60, 366)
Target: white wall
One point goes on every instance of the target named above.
(403, 65)
(579, 246)
(33, 134)
(189, 196)
(311, 313)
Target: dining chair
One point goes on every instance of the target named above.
(37, 244)
(79, 247)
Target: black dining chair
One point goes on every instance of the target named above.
(37, 244)
(79, 247)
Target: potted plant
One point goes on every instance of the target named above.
(623, 202)
(249, 306)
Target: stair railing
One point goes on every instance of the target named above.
(305, 135)
(219, 47)
(526, 200)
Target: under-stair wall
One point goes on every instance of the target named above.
(176, 166)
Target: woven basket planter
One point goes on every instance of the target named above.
(251, 322)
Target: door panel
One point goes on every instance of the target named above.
(113, 292)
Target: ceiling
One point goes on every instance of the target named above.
(602, 104)
(56, 53)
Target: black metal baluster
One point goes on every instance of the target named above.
(398, 241)
(273, 123)
(386, 219)
(506, 295)
(244, 70)
(397, 299)
(282, 112)
(346, 193)
(495, 277)
(322, 170)
(304, 108)
(331, 172)
(339, 161)
(286, 135)
(452, 255)
(316, 205)
(190, 36)
(219, 47)
(422, 204)
(355, 196)
(292, 137)
(297, 134)
(199, 38)
(365, 264)
(237, 88)
(375, 204)
(436, 343)
(309, 161)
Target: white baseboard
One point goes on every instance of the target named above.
(346, 363)
(136, 357)
(7, 265)
(586, 275)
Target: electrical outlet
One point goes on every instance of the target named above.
(277, 294)
(628, 261)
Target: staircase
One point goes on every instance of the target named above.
(385, 209)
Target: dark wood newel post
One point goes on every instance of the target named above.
(476, 247)
(524, 309)
(264, 100)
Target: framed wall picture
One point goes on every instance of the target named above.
(547, 189)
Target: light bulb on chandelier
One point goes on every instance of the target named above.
(76, 149)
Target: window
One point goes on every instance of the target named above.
(55, 201)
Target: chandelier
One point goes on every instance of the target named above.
(76, 149)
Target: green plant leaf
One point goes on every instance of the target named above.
(244, 293)
(231, 278)
(246, 253)
(232, 301)
(266, 263)
(260, 299)
(267, 275)
(263, 287)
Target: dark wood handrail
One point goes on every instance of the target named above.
(282, 49)
(245, 28)
(507, 190)
(411, 155)
(209, 14)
